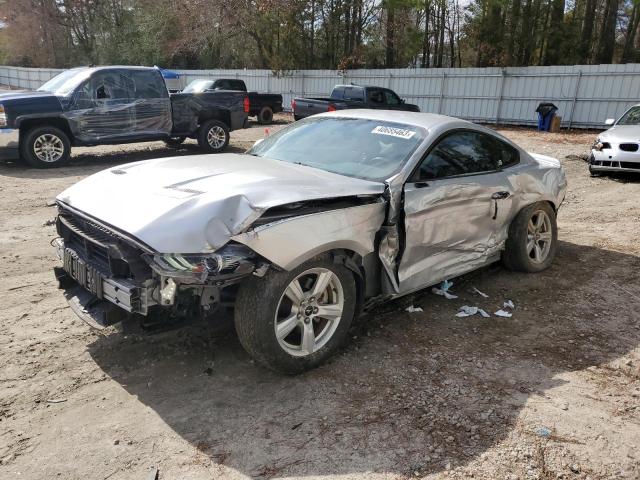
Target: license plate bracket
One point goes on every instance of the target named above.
(85, 275)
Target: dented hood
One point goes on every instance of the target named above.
(196, 203)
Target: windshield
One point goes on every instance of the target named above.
(355, 147)
(198, 86)
(66, 81)
(632, 117)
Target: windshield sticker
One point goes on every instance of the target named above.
(393, 132)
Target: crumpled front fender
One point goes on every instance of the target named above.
(290, 242)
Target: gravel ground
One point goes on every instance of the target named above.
(552, 392)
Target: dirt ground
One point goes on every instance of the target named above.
(553, 392)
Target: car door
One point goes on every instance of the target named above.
(457, 205)
(375, 98)
(104, 108)
(152, 105)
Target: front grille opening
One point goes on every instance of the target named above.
(629, 147)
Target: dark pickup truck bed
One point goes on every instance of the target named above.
(350, 96)
(261, 105)
(112, 105)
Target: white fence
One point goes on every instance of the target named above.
(584, 94)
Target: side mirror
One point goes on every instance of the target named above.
(402, 100)
(610, 121)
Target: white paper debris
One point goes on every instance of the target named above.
(443, 293)
(467, 311)
(483, 295)
(412, 309)
(502, 313)
(509, 304)
(443, 290)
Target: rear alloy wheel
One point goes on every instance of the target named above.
(293, 321)
(265, 117)
(45, 147)
(213, 136)
(533, 239)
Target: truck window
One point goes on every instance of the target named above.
(237, 85)
(391, 98)
(149, 84)
(375, 96)
(338, 93)
(112, 85)
(354, 93)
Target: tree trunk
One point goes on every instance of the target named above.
(628, 54)
(586, 36)
(608, 33)
(390, 38)
(555, 47)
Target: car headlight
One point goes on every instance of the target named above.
(3, 116)
(599, 145)
(199, 266)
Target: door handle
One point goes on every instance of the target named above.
(500, 195)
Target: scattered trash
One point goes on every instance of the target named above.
(412, 309)
(443, 290)
(467, 311)
(51, 203)
(509, 304)
(208, 371)
(48, 223)
(266, 132)
(543, 432)
(503, 313)
(56, 400)
(483, 295)
(296, 426)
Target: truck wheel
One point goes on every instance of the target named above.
(174, 142)
(297, 117)
(265, 117)
(293, 321)
(45, 147)
(533, 239)
(213, 136)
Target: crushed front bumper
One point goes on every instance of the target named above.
(614, 160)
(96, 298)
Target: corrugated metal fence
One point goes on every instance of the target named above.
(585, 95)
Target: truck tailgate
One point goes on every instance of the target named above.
(305, 107)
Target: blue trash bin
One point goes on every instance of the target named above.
(546, 112)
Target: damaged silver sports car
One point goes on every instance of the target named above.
(319, 221)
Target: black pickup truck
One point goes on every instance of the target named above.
(261, 105)
(351, 96)
(111, 105)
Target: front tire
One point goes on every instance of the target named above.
(265, 117)
(213, 136)
(294, 321)
(45, 147)
(533, 239)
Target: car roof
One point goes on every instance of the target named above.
(418, 119)
(114, 67)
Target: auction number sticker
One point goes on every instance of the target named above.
(393, 132)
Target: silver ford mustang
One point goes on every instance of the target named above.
(317, 222)
(617, 149)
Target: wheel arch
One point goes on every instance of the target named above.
(26, 124)
(221, 115)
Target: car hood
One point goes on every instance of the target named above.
(196, 203)
(621, 133)
(24, 94)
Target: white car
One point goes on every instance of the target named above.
(617, 149)
(331, 215)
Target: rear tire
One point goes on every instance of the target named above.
(297, 117)
(213, 136)
(279, 318)
(533, 239)
(45, 147)
(265, 117)
(174, 142)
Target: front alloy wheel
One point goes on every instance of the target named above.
(309, 312)
(539, 236)
(293, 321)
(45, 147)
